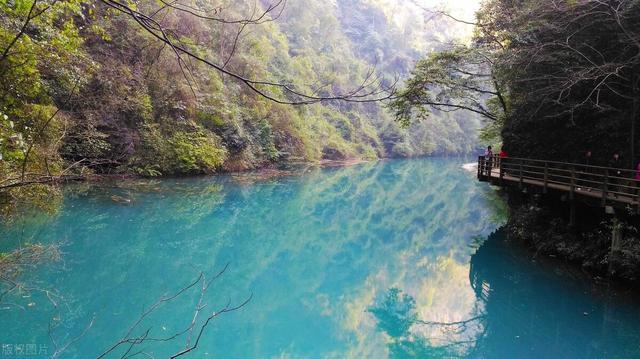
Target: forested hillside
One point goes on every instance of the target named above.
(85, 89)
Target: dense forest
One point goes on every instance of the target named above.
(86, 89)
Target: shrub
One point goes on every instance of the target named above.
(196, 152)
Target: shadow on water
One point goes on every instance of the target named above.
(538, 309)
(523, 309)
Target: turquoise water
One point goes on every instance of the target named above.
(390, 259)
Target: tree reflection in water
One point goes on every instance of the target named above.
(396, 316)
(523, 309)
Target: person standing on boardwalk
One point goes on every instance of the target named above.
(488, 152)
(614, 171)
(587, 158)
(615, 163)
(501, 156)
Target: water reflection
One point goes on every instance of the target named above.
(369, 261)
(411, 337)
(520, 309)
(536, 309)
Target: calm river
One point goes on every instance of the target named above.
(394, 259)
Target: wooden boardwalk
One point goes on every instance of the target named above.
(608, 186)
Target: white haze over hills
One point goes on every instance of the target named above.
(425, 27)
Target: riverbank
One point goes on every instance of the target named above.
(267, 171)
(542, 224)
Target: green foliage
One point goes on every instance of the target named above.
(196, 152)
(124, 104)
(451, 80)
(86, 142)
(182, 153)
(267, 141)
(41, 58)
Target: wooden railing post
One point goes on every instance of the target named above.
(520, 174)
(546, 177)
(483, 165)
(636, 195)
(605, 187)
(572, 189)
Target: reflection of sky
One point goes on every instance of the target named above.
(357, 262)
(317, 251)
(440, 287)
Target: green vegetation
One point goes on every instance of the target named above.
(85, 89)
(125, 103)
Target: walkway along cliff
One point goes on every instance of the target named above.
(603, 193)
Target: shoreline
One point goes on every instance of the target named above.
(540, 227)
(269, 171)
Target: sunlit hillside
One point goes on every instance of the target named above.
(125, 103)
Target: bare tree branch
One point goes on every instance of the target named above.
(365, 92)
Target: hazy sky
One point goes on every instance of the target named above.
(465, 8)
(460, 9)
(404, 12)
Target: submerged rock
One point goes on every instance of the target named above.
(120, 199)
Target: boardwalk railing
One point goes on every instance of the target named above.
(613, 184)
